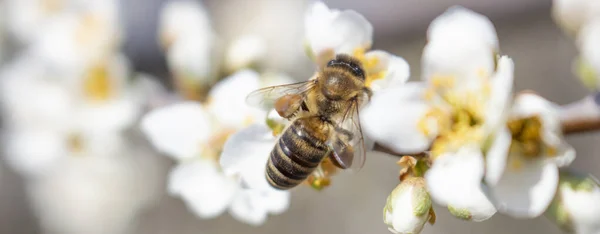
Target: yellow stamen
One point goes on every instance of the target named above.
(527, 137)
(440, 81)
(97, 85)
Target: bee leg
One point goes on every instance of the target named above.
(342, 159)
(287, 105)
(368, 92)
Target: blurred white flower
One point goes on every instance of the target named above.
(48, 117)
(576, 207)
(76, 40)
(459, 22)
(26, 18)
(572, 15)
(332, 29)
(182, 19)
(245, 52)
(204, 188)
(522, 172)
(408, 207)
(246, 153)
(588, 64)
(191, 49)
(100, 192)
(461, 103)
(194, 134)
(283, 52)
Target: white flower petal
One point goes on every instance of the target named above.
(497, 155)
(110, 116)
(178, 130)
(527, 191)
(180, 19)
(246, 153)
(565, 155)
(72, 41)
(245, 51)
(342, 31)
(460, 21)
(253, 206)
(34, 152)
(396, 69)
(501, 94)
(468, 62)
(191, 59)
(29, 99)
(455, 180)
(393, 116)
(205, 189)
(227, 100)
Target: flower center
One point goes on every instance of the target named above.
(75, 143)
(97, 83)
(371, 65)
(191, 89)
(527, 138)
(458, 114)
(213, 147)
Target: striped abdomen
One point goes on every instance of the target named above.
(298, 152)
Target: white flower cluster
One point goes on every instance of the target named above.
(487, 151)
(193, 131)
(581, 19)
(67, 98)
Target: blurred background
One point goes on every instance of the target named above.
(542, 53)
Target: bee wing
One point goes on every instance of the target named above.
(347, 141)
(266, 97)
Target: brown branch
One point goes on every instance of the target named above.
(581, 116)
(383, 149)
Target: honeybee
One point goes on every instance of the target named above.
(325, 121)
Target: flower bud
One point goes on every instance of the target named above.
(408, 207)
(576, 207)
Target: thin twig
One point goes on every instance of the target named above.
(383, 149)
(581, 116)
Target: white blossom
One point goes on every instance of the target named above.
(48, 118)
(245, 51)
(524, 180)
(461, 102)
(182, 19)
(101, 191)
(331, 29)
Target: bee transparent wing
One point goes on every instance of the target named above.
(266, 98)
(347, 142)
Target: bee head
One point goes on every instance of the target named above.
(348, 63)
